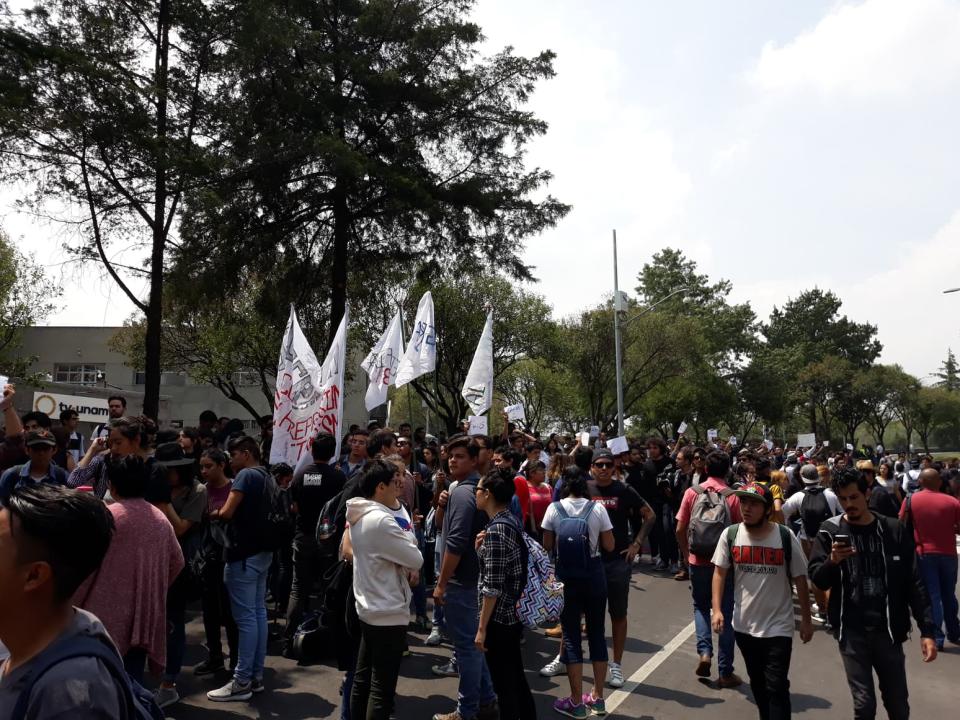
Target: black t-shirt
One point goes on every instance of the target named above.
(311, 491)
(651, 471)
(882, 501)
(866, 605)
(623, 505)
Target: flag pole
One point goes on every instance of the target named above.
(413, 449)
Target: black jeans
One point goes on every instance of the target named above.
(864, 653)
(768, 665)
(507, 672)
(378, 666)
(308, 566)
(215, 603)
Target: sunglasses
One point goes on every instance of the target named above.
(603, 466)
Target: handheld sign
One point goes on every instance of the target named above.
(849, 447)
(478, 425)
(594, 431)
(4, 381)
(618, 445)
(768, 444)
(733, 440)
(806, 440)
(712, 434)
(515, 412)
(585, 438)
(826, 443)
(682, 428)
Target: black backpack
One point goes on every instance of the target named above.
(814, 509)
(140, 703)
(276, 520)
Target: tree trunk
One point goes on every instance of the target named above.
(152, 344)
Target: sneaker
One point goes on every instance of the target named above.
(210, 666)
(166, 696)
(615, 676)
(490, 711)
(596, 705)
(566, 706)
(553, 668)
(256, 686)
(448, 670)
(435, 637)
(233, 691)
(455, 715)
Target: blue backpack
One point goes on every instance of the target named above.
(573, 543)
(139, 701)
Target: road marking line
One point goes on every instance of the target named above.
(645, 670)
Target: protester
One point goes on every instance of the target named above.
(11, 447)
(309, 492)
(76, 443)
(868, 564)
(502, 564)
(541, 495)
(248, 560)
(709, 494)
(126, 436)
(882, 500)
(456, 588)
(766, 561)
(129, 591)
(51, 540)
(185, 511)
(385, 562)
(935, 517)
(116, 409)
(215, 601)
(39, 467)
(579, 529)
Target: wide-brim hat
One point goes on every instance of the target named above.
(171, 455)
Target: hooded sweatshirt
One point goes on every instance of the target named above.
(384, 550)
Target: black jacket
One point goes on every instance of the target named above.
(906, 592)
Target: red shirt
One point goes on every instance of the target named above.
(540, 499)
(936, 518)
(523, 495)
(686, 506)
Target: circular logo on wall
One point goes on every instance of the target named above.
(45, 404)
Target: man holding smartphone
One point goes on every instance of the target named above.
(868, 563)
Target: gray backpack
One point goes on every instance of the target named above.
(709, 518)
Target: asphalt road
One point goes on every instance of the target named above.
(660, 653)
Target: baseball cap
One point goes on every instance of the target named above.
(755, 491)
(602, 453)
(809, 474)
(40, 437)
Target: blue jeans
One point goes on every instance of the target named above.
(701, 581)
(939, 573)
(476, 687)
(246, 582)
(586, 598)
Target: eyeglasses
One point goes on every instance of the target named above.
(481, 488)
(603, 466)
(402, 443)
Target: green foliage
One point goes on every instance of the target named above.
(949, 374)
(27, 297)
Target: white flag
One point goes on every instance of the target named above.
(421, 355)
(297, 396)
(381, 364)
(478, 387)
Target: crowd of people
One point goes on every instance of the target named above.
(108, 541)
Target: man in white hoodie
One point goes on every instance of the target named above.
(386, 560)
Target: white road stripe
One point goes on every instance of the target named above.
(618, 696)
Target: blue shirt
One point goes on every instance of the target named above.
(19, 476)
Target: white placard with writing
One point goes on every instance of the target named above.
(682, 428)
(733, 440)
(4, 381)
(515, 412)
(806, 440)
(594, 431)
(618, 445)
(768, 444)
(849, 447)
(478, 425)
(712, 434)
(826, 443)
(585, 438)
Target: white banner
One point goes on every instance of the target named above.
(478, 387)
(381, 363)
(421, 355)
(297, 399)
(90, 409)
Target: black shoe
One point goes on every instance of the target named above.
(489, 712)
(210, 666)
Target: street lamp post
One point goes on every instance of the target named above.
(617, 324)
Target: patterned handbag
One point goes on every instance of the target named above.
(542, 600)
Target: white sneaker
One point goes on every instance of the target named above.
(435, 637)
(615, 675)
(553, 668)
(233, 691)
(166, 697)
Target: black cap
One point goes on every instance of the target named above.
(171, 455)
(600, 453)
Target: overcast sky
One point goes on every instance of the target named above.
(781, 144)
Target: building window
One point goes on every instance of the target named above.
(83, 374)
(245, 377)
(166, 378)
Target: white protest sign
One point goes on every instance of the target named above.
(90, 409)
(515, 412)
(768, 444)
(594, 431)
(4, 381)
(585, 438)
(826, 443)
(682, 428)
(712, 434)
(849, 447)
(733, 440)
(806, 440)
(478, 425)
(618, 445)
